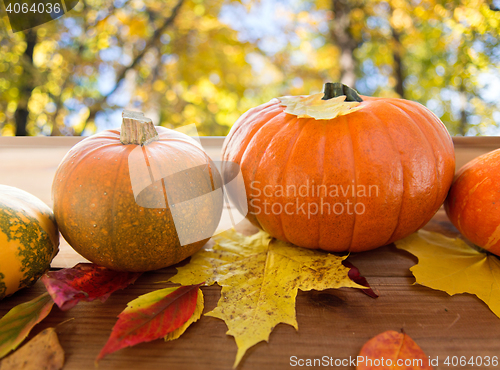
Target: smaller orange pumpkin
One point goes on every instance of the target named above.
(137, 199)
(473, 203)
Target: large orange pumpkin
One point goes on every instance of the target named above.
(116, 193)
(473, 203)
(341, 172)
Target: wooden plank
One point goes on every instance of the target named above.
(333, 323)
(69, 141)
(467, 148)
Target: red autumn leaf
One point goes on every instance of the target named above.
(355, 276)
(392, 350)
(85, 282)
(161, 313)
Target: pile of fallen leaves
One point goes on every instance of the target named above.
(259, 276)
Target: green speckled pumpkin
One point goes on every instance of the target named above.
(29, 239)
(113, 201)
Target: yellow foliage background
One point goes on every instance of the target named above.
(207, 62)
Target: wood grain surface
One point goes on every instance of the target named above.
(332, 323)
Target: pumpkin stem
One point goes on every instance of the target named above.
(137, 129)
(336, 89)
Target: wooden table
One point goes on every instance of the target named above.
(333, 323)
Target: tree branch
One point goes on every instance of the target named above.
(398, 63)
(121, 76)
(156, 36)
(55, 128)
(341, 35)
(27, 84)
(463, 124)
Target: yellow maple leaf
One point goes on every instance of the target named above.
(452, 266)
(313, 106)
(260, 277)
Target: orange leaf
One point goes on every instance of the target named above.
(41, 352)
(392, 350)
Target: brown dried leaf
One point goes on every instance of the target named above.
(43, 352)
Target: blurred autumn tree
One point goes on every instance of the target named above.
(206, 62)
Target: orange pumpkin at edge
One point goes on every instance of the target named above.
(374, 174)
(473, 203)
(102, 218)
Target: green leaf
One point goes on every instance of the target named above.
(18, 322)
(41, 352)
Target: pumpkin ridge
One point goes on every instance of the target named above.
(237, 127)
(236, 134)
(438, 127)
(436, 169)
(176, 251)
(269, 143)
(438, 200)
(257, 165)
(62, 184)
(260, 129)
(110, 225)
(396, 150)
(437, 124)
(92, 139)
(278, 112)
(430, 150)
(244, 152)
(464, 204)
(448, 146)
(346, 122)
(323, 139)
(289, 152)
(337, 141)
(112, 246)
